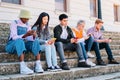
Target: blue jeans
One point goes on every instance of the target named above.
(89, 43)
(50, 53)
(19, 46)
(68, 46)
(83, 50)
(97, 46)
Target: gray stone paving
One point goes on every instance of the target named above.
(112, 76)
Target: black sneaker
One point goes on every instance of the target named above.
(83, 64)
(57, 68)
(101, 62)
(65, 66)
(51, 68)
(113, 61)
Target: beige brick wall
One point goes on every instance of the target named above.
(108, 15)
(77, 9)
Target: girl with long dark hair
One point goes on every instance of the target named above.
(46, 42)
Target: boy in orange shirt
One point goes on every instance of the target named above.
(83, 40)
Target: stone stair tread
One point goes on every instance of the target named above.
(13, 67)
(4, 77)
(5, 57)
(72, 74)
(111, 76)
(1, 53)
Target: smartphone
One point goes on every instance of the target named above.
(53, 39)
(76, 38)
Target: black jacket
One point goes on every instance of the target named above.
(58, 32)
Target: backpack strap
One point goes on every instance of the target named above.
(9, 34)
(16, 22)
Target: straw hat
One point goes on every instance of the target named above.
(25, 14)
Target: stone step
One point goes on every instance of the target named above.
(116, 42)
(2, 47)
(4, 41)
(13, 67)
(3, 44)
(116, 39)
(103, 53)
(111, 76)
(73, 74)
(4, 57)
(112, 37)
(4, 36)
(114, 47)
(110, 33)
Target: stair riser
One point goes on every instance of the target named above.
(68, 75)
(30, 57)
(14, 68)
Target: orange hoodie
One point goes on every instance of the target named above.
(79, 34)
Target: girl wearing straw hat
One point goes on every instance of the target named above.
(22, 39)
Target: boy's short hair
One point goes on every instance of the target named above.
(98, 21)
(62, 16)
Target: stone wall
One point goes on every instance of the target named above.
(4, 32)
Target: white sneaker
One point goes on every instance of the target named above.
(90, 55)
(38, 67)
(24, 69)
(90, 63)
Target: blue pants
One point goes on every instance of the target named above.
(68, 46)
(19, 46)
(50, 53)
(89, 43)
(97, 46)
(84, 50)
